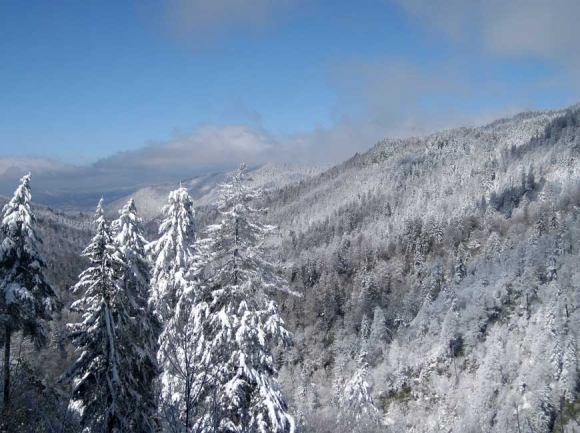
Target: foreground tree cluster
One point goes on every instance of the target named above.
(174, 335)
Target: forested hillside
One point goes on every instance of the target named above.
(433, 284)
(442, 270)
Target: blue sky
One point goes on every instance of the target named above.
(106, 76)
(82, 81)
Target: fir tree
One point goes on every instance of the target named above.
(26, 297)
(182, 380)
(173, 297)
(355, 402)
(128, 236)
(106, 378)
(242, 325)
(172, 253)
(377, 336)
(143, 329)
(306, 399)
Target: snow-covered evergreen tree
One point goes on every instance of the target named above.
(26, 298)
(174, 280)
(128, 236)
(143, 330)
(183, 379)
(378, 335)
(306, 399)
(569, 374)
(355, 402)
(106, 376)
(172, 253)
(242, 325)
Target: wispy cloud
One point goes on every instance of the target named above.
(545, 29)
(207, 146)
(397, 97)
(202, 20)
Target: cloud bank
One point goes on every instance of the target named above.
(206, 149)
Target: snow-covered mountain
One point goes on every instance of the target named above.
(203, 189)
(151, 199)
(438, 277)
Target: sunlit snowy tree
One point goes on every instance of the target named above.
(241, 325)
(143, 329)
(172, 253)
(26, 298)
(355, 401)
(174, 298)
(107, 376)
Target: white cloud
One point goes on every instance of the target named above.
(209, 145)
(542, 29)
(208, 148)
(21, 165)
(390, 92)
(388, 97)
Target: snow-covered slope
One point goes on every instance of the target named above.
(462, 248)
(151, 199)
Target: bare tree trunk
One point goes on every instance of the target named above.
(236, 254)
(518, 417)
(6, 406)
(111, 424)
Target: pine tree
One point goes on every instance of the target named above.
(26, 297)
(569, 374)
(174, 280)
(377, 336)
(355, 402)
(144, 328)
(105, 376)
(459, 268)
(379, 327)
(242, 325)
(172, 253)
(365, 327)
(182, 380)
(306, 399)
(128, 236)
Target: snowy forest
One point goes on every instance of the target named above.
(430, 284)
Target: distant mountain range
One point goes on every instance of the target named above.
(151, 199)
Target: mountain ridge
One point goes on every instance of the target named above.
(459, 246)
